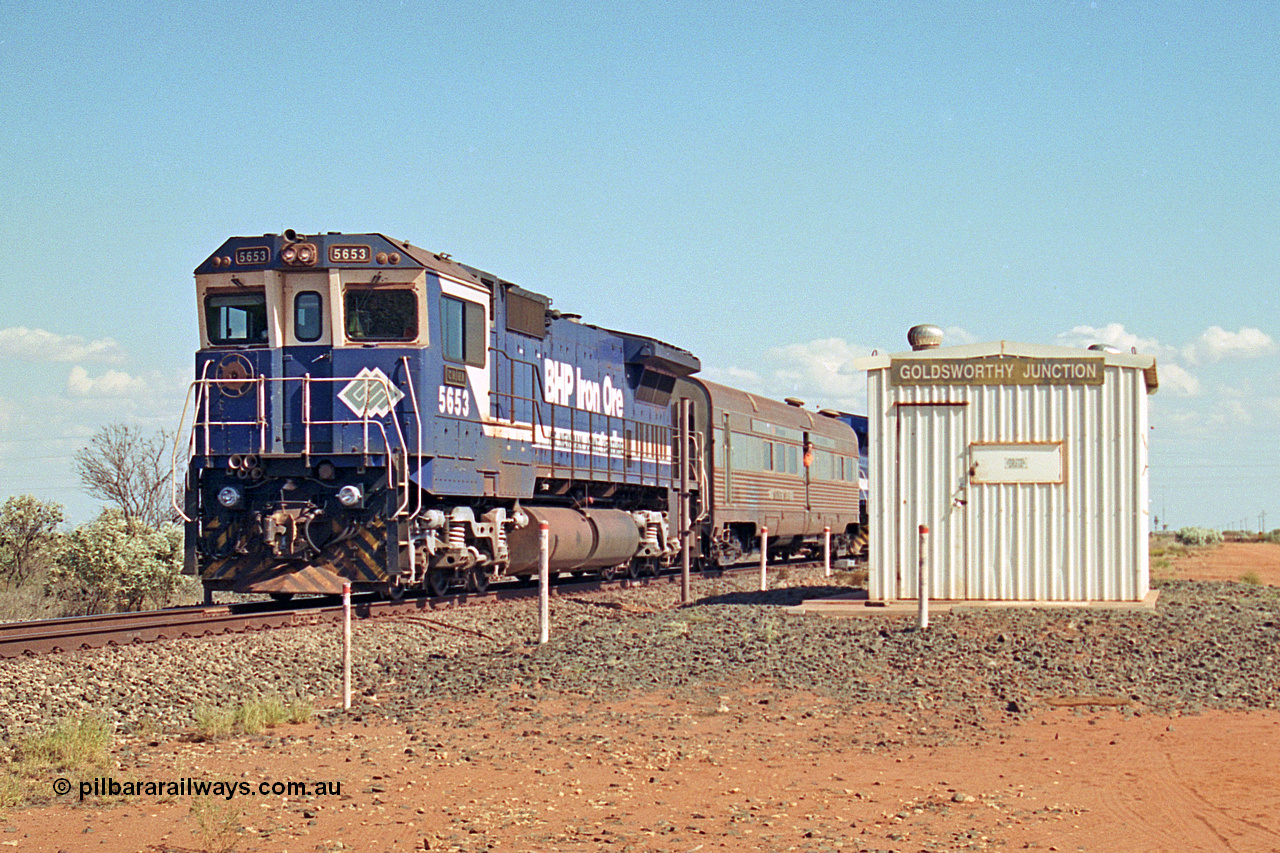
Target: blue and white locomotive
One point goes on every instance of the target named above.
(370, 412)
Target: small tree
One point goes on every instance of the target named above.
(130, 470)
(108, 565)
(28, 529)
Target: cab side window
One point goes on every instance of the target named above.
(308, 321)
(462, 332)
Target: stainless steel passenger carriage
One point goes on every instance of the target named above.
(771, 465)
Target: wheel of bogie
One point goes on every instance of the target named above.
(652, 568)
(477, 580)
(281, 596)
(633, 569)
(395, 592)
(439, 581)
(608, 573)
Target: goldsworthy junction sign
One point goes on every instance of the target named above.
(996, 371)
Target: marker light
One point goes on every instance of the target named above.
(230, 497)
(350, 496)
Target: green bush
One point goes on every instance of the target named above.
(1198, 536)
(109, 565)
(28, 535)
(74, 746)
(252, 716)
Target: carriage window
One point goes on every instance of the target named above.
(307, 322)
(381, 315)
(462, 331)
(236, 318)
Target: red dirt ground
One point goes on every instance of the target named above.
(744, 767)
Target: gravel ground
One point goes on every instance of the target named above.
(1208, 645)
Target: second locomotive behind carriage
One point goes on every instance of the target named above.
(366, 411)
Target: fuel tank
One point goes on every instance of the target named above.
(578, 539)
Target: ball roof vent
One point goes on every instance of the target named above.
(924, 336)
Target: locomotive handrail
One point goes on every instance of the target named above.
(544, 433)
(417, 415)
(700, 475)
(203, 420)
(364, 420)
(191, 445)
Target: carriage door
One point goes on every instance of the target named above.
(931, 453)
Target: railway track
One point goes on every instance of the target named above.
(52, 636)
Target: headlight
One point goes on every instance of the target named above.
(300, 255)
(350, 496)
(230, 497)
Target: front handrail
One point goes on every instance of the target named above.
(200, 392)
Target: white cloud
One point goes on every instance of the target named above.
(954, 336)
(1115, 334)
(1178, 380)
(113, 383)
(39, 345)
(1217, 343)
(1231, 412)
(817, 372)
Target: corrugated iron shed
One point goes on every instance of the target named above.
(1027, 463)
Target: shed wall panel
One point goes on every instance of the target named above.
(1078, 540)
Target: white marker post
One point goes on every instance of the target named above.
(764, 559)
(685, 593)
(346, 646)
(826, 550)
(924, 579)
(544, 583)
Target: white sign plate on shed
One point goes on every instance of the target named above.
(1015, 463)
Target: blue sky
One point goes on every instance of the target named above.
(778, 187)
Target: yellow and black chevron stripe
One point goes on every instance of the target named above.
(360, 560)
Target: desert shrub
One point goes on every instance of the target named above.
(28, 535)
(74, 746)
(252, 716)
(218, 823)
(110, 565)
(1198, 536)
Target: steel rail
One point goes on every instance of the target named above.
(72, 633)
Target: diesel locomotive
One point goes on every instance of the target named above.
(365, 411)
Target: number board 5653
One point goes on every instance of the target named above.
(455, 402)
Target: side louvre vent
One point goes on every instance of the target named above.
(526, 313)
